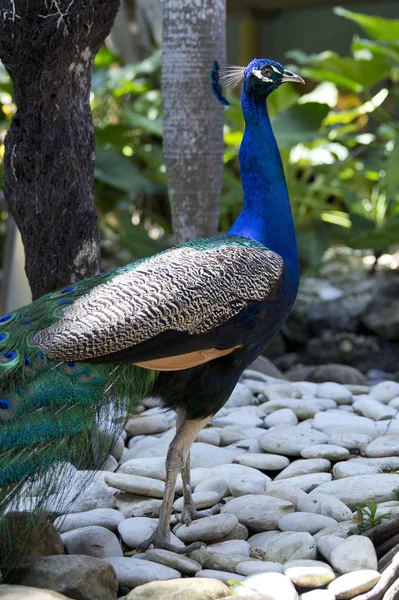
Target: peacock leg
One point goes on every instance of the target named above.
(189, 512)
(179, 449)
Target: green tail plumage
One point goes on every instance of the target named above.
(51, 413)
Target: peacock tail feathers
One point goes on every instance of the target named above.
(52, 413)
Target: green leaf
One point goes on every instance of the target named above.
(327, 75)
(391, 180)
(136, 239)
(299, 124)
(377, 27)
(119, 172)
(151, 126)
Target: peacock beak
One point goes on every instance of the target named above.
(290, 76)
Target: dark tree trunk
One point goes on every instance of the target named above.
(48, 48)
(193, 37)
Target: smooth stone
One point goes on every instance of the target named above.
(304, 482)
(327, 544)
(201, 500)
(110, 464)
(104, 517)
(97, 495)
(264, 462)
(136, 530)
(240, 532)
(253, 567)
(351, 441)
(304, 467)
(325, 505)
(223, 576)
(248, 483)
(92, 541)
(394, 403)
(180, 589)
(391, 426)
(180, 562)
(388, 463)
(132, 505)
(219, 478)
(283, 416)
(118, 448)
(305, 521)
(213, 560)
(259, 513)
(387, 445)
(230, 436)
(264, 539)
(317, 595)
(307, 387)
(274, 390)
(303, 409)
(385, 391)
(145, 447)
(23, 592)
(361, 489)
(334, 391)
(308, 573)
(333, 422)
(328, 451)
(208, 436)
(241, 396)
(288, 441)
(354, 554)
(343, 530)
(291, 546)
(143, 425)
(267, 586)
(132, 572)
(77, 576)
(208, 528)
(207, 456)
(349, 469)
(231, 547)
(196, 476)
(353, 584)
(238, 417)
(286, 492)
(135, 484)
(368, 407)
(153, 467)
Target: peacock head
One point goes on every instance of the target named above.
(261, 77)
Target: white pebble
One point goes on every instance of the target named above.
(284, 416)
(132, 572)
(260, 513)
(278, 587)
(361, 489)
(327, 543)
(305, 521)
(353, 584)
(334, 391)
(144, 425)
(201, 500)
(374, 409)
(252, 567)
(349, 469)
(264, 462)
(387, 445)
(354, 554)
(328, 451)
(288, 441)
(208, 528)
(325, 505)
(304, 467)
(385, 391)
(308, 573)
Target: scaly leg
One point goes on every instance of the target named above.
(179, 449)
(189, 511)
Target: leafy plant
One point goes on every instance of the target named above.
(367, 517)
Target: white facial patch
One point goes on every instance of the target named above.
(258, 74)
(276, 70)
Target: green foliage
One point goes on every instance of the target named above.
(339, 144)
(367, 517)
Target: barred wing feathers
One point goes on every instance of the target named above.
(187, 289)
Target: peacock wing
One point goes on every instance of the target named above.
(189, 290)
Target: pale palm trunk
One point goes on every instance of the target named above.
(194, 36)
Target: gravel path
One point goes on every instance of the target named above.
(290, 463)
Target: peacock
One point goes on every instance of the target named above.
(184, 323)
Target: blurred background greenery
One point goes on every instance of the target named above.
(338, 138)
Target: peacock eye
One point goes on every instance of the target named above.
(266, 72)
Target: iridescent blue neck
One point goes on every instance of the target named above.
(266, 216)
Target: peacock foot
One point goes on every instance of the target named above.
(190, 513)
(161, 541)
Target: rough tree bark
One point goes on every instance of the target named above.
(193, 37)
(48, 48)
